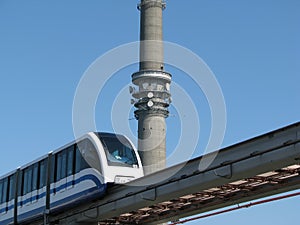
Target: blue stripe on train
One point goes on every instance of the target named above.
(35, 213)
(77, 198)
(99, 190)
(63, 186)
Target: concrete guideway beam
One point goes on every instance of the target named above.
(263, 166)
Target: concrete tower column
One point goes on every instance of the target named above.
(151, 92)
(151, 35)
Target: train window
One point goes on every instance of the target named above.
(64, 165)
(119, 151)
(70, 164)
(77, 160)
(52, 169)
(58, 166)
(27, 181)
(24, 183)
(43, 174)
(35, 176)
(90, 155)
(1, 190)
(4, 190)
(11, 187)
(81, 164)
(20, 182)
(5, 184)
(84, 164)
(61, 163)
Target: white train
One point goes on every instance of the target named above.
(75, 173)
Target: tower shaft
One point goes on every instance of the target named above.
(152, 91)
(151, 35)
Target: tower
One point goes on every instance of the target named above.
(151, 92)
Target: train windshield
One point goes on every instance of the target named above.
(119, 151)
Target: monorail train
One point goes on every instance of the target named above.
(75, 173)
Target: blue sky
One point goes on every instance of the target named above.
(252, 47)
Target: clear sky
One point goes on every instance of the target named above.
(252, 47)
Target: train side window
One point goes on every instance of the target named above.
(81, 163)
(53, 169)
(84, 164)
(4, 190)
(58, 166)
(43, 174)
(27, 182)
(61, 163)
(24, 183)
(20, 182)
(64, 164)
(70, 157)
(78, 159)
(35, 177)
(1, 190)
(11, 188)
(91, 156)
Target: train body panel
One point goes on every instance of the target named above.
(85, 186)
(7, 212)
(74, 174)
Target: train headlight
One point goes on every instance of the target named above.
(123, 179)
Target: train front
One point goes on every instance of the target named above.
(120, 161)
